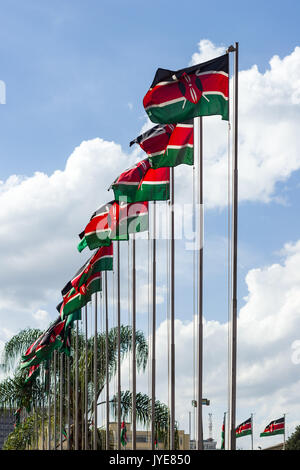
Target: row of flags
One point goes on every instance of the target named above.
(277, 426)
(173, 100)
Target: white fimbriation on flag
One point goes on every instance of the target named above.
(233, 312)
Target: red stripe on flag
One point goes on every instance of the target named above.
(214, 82)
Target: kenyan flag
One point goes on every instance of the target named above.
(114, 221)
(123, 434)
(79, 296)
(168, 145)
(244, 429)
(200, 90)
(102, 260)
(52, 339)
(275, 427)
(223, 433)
(141, 183)
(33, 372)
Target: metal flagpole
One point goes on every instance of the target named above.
(76, 390)
(284, 432)
(95, 372)
(69, 401)
(61, 400)
(172, 318)
(86, 445)
(49, 406)
(133, 345)
(198, 149)
(251, 431)
(106, 362)
(119, 346)
(233, 319)
(153, 327)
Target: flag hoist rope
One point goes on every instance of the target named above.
(233, 317)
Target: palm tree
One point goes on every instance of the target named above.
(15, 392)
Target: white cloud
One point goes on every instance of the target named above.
(41, 216)
(42, 319)
(268, 130)
(268, 377)
(207, 51)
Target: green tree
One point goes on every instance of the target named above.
(293, 442)
(14, 392)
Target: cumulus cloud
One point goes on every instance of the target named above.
(41, 216)
(268, 353)
(268, 130)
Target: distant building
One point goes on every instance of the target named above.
(208, 444)
(143, 438)
(7, 421)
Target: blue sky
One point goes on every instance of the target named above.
(76, 72)
(72, 68)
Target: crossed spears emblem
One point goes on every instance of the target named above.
(191, 88)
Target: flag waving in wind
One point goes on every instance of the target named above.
(114, 221)
(199, 90)
(274, 427)
(141, 183)
(168, 145)
(244, 428)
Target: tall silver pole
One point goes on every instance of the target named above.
(95, 372)
(76, 390)
(153, 372)
(68, 401)
(198, 148)
(106, 362)
(49, 406)
(61, 420)
(233, 319)
(251, 431)
(86, 444)
(133, 345)
(284, 432)
(172, 318)
(119, 346)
